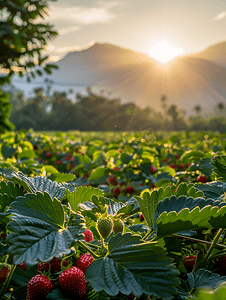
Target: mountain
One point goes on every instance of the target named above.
(133, 76)
(215, 53)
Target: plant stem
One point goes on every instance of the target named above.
(201, 263)
(94, 255)
(5, 286)
(147, 234)
(219, 246)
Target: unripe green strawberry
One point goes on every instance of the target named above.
(118, 226)
(105, 226)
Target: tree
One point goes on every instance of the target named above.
(22, 39)
(197, 109)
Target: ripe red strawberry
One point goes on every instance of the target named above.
(129, 189)
(141, 217)
(152, 169)
(112, 180)
(48, 154)
(4, 272)
(153, 186)
(88, 235)
(22, 266)
(105, 226)
(84, 261)
(118, 226)
(117, 191)
(72, 282)
(58, 162)
(222, 263)
(181, 166)
(35, 147)
(189, 262)
(201, 179)
(38, 287)
(3, 236)
(55, 264)
(116, 169)
(43, 267)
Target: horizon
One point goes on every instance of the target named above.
(139, 26)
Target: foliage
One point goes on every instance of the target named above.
(22, 39)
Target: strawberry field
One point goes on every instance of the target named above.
(112, 215)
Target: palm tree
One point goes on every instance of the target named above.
(197, 109)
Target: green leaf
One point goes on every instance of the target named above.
(214, 190)
(82, 194)
(62, 177)
(7, 151)
(201, 279)
(219, 163)
(192, 155)
(39, 183)
(97, 173)
(26, 154)
(38, 231)
(133, 266)
(179, 214)
(126, 158)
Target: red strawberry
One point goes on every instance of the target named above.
(4, 272)
(48, 155)
(71, 166)
(222, 263)
(35, 147)
(201, 179)
(3, 235)
(55, 264)
(153, 186)
(38, 287)
(129, 189)
(22, 266)
(72, 282)
(141, 217)
(112, 180)
(181, 166)
(117, 191)
(116, 169)
(58, 162)
(189, 262)
(43, 267)
(88, 235)
(84, 261)
(152, 169)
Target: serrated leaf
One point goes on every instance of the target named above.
(82, 194)
(97, 173)
(201, 279)
(38, 232)
(213, 190)
(133, 266)
(219, 164)
(62, 177)
(192, 155)
(179, 214)
(7, 151)
(39, 183)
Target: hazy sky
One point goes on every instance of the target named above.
(191, 25)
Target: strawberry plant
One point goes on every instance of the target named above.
(88, 242)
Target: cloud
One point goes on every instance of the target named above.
(67, 49)
(68, 29)
(54, 58)
(79, 15)
(220, 16)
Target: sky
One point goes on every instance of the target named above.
(190, 25)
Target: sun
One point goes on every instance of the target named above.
(163, 52)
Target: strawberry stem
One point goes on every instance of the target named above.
(5, 285)
(94, 255)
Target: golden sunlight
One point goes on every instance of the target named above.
(163, 52)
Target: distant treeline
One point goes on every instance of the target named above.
(93, 112)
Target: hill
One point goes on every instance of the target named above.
(133, 76)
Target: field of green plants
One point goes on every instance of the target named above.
(112, 215)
